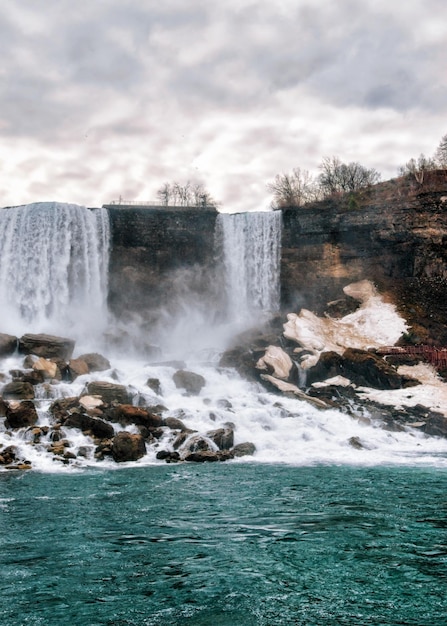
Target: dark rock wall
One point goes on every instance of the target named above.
(159, 255)
(394, 234)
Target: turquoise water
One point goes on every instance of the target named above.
(224, 545)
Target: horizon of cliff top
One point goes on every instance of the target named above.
(155, 204)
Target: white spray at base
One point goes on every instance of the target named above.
(53, 271)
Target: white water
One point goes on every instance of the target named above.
(251, 245)
(284, 430)
(53, 271)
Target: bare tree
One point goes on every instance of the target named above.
(338, 177)
(441, 153)
(294, 189)
(417, 168)
(188, 194)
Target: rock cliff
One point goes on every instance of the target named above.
(159, 254)
(394, 234)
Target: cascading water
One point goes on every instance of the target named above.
(53, 275)
(251, 248)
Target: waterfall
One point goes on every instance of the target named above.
(53, 275)
(251, 248)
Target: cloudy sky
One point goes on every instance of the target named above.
(111, 98)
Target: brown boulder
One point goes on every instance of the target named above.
(222, 437)
(48, 346)
(208, 456)
(77, 367)
(21, 414)
(18, 390)
(95, 362)
(128, 414)
(127, 447)
(244, 449)
(98, 428)
(109, 392)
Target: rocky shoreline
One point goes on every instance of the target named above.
(101, 412)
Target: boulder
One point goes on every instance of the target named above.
(189, 381)
(126, 414)
(63, 407)
(98, 428)
(47, 346)
(208, 456)
(77, 367)
(155, 385)
(21, 414)
(127, 447)
(8, 344)
(33, 377)
(49, 368)
(361, 367)
(276, 362)
(222, 437)
(8, 455)
(18, 390)
(175, 424)
(244, 449)
(95, 362)
(109, 392)
(435, 424)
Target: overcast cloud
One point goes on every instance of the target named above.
(114, 97)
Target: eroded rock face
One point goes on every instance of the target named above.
(47, 346)
(128, 447)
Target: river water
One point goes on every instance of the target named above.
(226, 544)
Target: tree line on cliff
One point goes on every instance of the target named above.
(299, 187)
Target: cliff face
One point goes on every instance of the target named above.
(159, 255)
(394, 234)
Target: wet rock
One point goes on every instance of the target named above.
(8, 344)
(356, 443)
(435, 424)
(8, 455)
(127, 447)
(98, 428)
(222, 437)
(343, 306)
(77, 367)
(195, 443)
(208, 456)
(191, 382)
(63, 407)
(175, 424)
(21, 414)
(168, 456)
(47, 346)
(126, 414)
(95, 362)
(3, 406)
(18, 390)
(155, 385)
(361, 367)
(244, 449)
(29, 376)
(109, 392)
(47, 367)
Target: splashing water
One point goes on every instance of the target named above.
(251, 248)
(53, 275)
